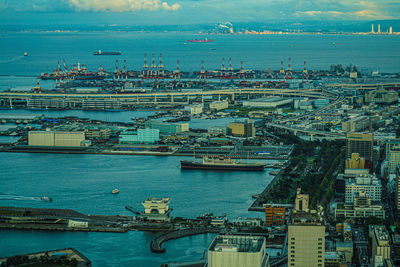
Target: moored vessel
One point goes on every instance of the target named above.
(222, 163)
(205, 40)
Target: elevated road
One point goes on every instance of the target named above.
(130, 99)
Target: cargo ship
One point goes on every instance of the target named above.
(222, 163)
(200, 40)
(101, 53)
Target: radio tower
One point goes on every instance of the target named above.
(282, 72)
(145, 74)
(177, 72)
(289, 71)
(125, 72)
(202, 72)
(223, 70)
(305, 73)
(241, 72)
(153, 71)
(230, 69)
(160, 68)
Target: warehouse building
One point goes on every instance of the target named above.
(147, 136)
(268, 102)
(56, 138)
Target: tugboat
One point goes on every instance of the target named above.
(222, 163)
(46, 199)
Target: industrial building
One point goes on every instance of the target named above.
(238, 251)
(157, 209)
(147, 136)
(367, 183)
(267, 102)
(242, 128)
(56, 138)
(218, 130)
(361, 143)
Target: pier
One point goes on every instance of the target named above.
(155, 245)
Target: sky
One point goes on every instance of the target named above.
(165, 12)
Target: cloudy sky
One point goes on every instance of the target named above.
(154, 12)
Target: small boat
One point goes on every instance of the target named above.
(25, 54)
(273, 172)
(115, 191)
(47, 199)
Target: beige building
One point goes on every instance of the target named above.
(380, 241)
(306, 236)
(218, 105)
(394, 158)
(56, 138)
(238, 251)
(243, 129)
(355, 162)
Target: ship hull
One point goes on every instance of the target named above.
(188, 165)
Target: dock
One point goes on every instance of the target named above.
(156, 247)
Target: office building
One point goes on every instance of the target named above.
(306, 235)
(242, 128)
(381, 96)
(362, 208)
(56, 138)
(274, 215)
(380, 242)
(361, 143)
(168, 128)
(393, 156)
(238, 251)
(367, 183)
(194, 109)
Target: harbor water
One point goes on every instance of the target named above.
(84, 182)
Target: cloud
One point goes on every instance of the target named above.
(121, 5)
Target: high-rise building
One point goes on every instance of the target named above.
(380, 242)
(393, 158)
(306, 236)
(397, 200)
(390, 30)
(242, 128)
(379, 28)
(372, 28)
(361, 143)
(238, 251)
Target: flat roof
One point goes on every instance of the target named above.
(237, 243)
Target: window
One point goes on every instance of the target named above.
(292, 243)
(292, 247)
(319, 247)
(292, 238)
(292, 264)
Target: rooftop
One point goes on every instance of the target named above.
(236, 243)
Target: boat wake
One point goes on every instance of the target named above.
(11, 59)
(16, 197)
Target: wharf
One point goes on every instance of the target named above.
(155, 245)
(257, 206)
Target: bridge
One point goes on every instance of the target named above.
(295, 130)
(65, 100)
(364, 86)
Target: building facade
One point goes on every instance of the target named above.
(56, 138)
(274, 215)
(367, 183)
(361, 143)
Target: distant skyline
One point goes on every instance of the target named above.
(160, 12)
